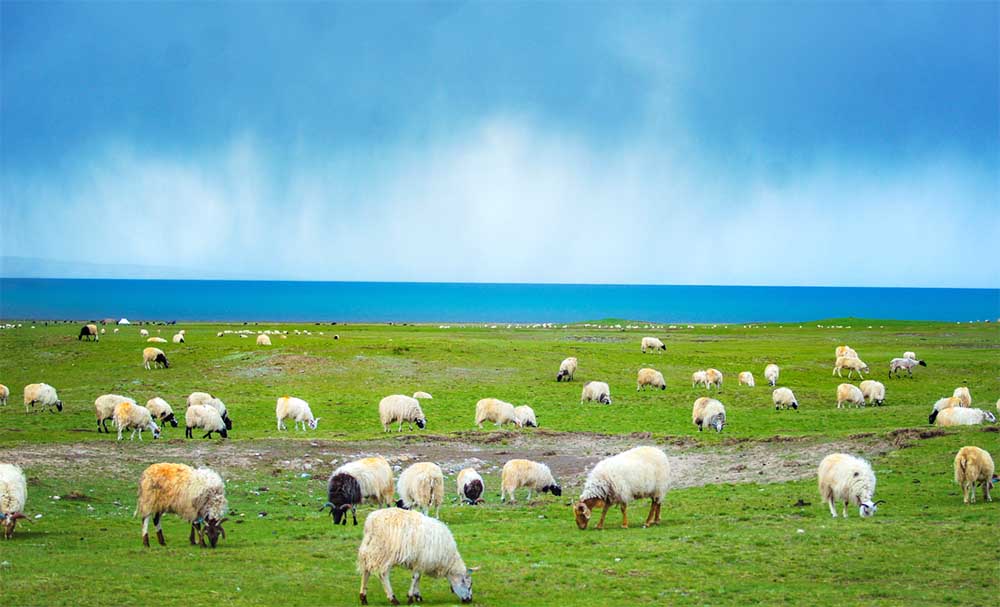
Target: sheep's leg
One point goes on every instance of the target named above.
(99, 427)
(972, 492)
(414, 595)
(833, 508)
(604, 513)
(363, 593)
(659, 506)
(529, 496)
(191, 537)
(846, 504)
(188, 433)
(159, 529)
(388, 588)
(986, 491)
(145, 531)
(119, 432)
(280, 426)
(652, 513)
(354, 515)
(624, 508)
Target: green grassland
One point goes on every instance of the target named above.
(719, 543)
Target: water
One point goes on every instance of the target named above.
(210, 300)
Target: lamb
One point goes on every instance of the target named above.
(104, 408)
(90, 332)
(845, 352)
(596, 391)
(419, 543)
(354, 482)
(910, 355)
(196, 495)
(496, 411)
(650, 377)
(567, 369)
(634, 474)
(525, 473)
(904, 363)
(154, 357)
(974, 466)
(156, 340)
(43, 394)
(143, 333)
(204, 398)
(746, 379)
(422, 485)
(848, 393)
(699, 377)
(263, 340)
(874, 391)
(4, 395)
(962, 416)
(783, 397)
(178, 338)
(652, 343)
(943, 403)
(771, 374)
(852, 365)
(422, 395)
(161, 410)
(708, 413)
(848, 479)
(524, 417)
(130, 416)
(205, 418)
(401, 408)
(713, 377)
(962, 394)
(470, 486)
(296, 409)
(13, 495)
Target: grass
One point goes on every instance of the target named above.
(719, 543)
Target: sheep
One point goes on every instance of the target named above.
(618, 480)
(713, 377)
(974, 466)
(496, 411)
(848, 393)
(13, 495)
(354, 482)
(845, 352)
(874, 391)
(42, 394)
(524, 417)
(650, 377)
(156, 340)
(852, 365)
(470, 486)
(90, 332)
(263, 340)
(422, 395)
(104, 409)
(296, 409)
(204, 398)
(154, 357)
(161, 410)
(783, 397)
(196, 495)
(910, 355)
(130, 416)
(904, 363)
(962, 394)
(143, 333)
(596, 391)
(178, 338)
(708, 413)
(943, 403)
(4, 395)
(771, 373)
(848, 479)
(525, 473)
(699, 377)
(746, 379)
(652, 343)
(962, 416)
(415, 541)
(567, 368)
(220, 334)
(422, 485)
(205, 418)
(401, 408)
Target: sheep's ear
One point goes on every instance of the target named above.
(473, 569)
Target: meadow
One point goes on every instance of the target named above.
(744, 523)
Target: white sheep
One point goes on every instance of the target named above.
(496, 411)
(746, 379)
(699, 378)
(708, 413)
(204, 398)
(848, 393)
(634, 474)
(143, 333)
(417, 542)
(263, 340)
(161, 410)
(652, 343)
(104, 409)
(155, 357)
(13, 496)
(470, 486)
(178, 338)
(906, 364)
(943, 403)
(713, 377)
(596, 391)
(196, 495)
(130, 416)
(771, 373)
(524, 417)
(4, 395)
(783, 397)
(962, 393)
(852, 365)
(910, 355)
(401, 408)
(519, 473)
(974, 466)
(962, 416)
(42, 394)
(848, 479)
(296, 409)
(156, 340)
(205, 418)
(354, 482)
(567, 368)
(421, 485)
(650, 377)
(874, 391)
(422, 395)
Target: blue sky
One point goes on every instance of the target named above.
(695, 143)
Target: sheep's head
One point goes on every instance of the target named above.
(606, 399)
(9, 521)
(561, 375)
(421, 422)
(170, 419)
(59, 405)
(154, 429)
(582, 513)
(795, 404)
(461, 584)
(227, 421)
(921, 363)
(869, 508)
(662, 347)
(214, 529)
(224, 433)
(990, 417)
(865, 369)
(313, 423)
(556, 490)
(718, 422)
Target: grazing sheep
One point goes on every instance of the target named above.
(90, 332)
(422, 485)
(161, 410)
(848, 393)
(143, 333)
(962, 416)
(156, 340)
(204, 398)
(713, 377)
(42, 394)
(650, 377)
(771, 373)
(422, 395)
(596, 391)
(708, 413)
(104, 409)
(845, 352)
(874, 391)
(943, 403)
(154, 357)
(263, 340)
(496, 411)
(219, 334)
(634, 474)
(652, 343)
(746, 379)
(974, 466)
(298, 410)
(4, 395)
(196, 495)
(567, 369)
(401, 408)
(962, 394)
(699, 377)
(130, 416)
(470, 486)
(524, 417)
(206, 418)
(13, 495)
(848, 479)
(904, 363)
(419, 543)
(178, 338)
(525, 473)
(852, 365)
(354, 482)
(783, 397)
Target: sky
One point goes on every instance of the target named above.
(778, 143)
